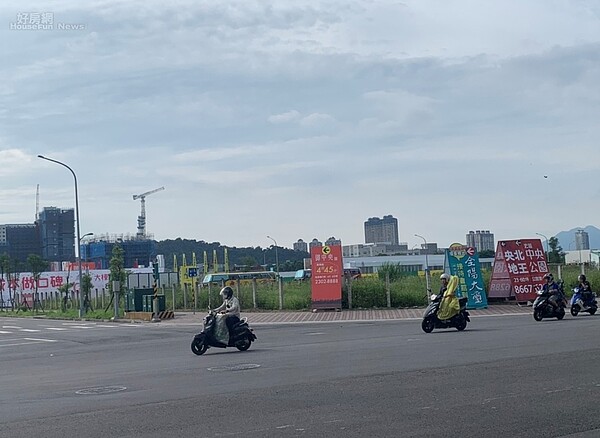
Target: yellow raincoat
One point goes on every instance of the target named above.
(449, 306)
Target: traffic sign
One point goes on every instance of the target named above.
(192, 272)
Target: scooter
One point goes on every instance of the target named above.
(581, 302)
(542, 308)
(431, 321)
(214, 334)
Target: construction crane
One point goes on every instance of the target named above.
(141, 229)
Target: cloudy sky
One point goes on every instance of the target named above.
(301, 119)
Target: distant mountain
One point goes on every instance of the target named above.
(566, 239)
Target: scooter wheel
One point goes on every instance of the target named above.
(199, 347)
(244, 344)
(462, 324)
(574, 310)
(592, 311)
(560, 315)
(537, 314)
(427, 325)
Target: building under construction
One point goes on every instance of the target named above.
(137, 252)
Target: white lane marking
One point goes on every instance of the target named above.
(11, 327)
(106, 326)
(2, 332)
(29, 342)
(79, 324)
(41, 340)
(20, 343)
(30, 330)
(60, 329)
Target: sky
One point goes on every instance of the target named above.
(302, 119)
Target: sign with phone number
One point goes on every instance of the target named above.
(326, 278)
(522, 264)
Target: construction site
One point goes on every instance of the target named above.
(139, 249)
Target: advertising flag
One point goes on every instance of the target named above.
(463, 261)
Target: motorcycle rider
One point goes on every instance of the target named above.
(553, 289)
(449, 304)
(585, 288)
(230, 308)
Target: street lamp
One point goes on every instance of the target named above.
(85, 252)
(547, 256)
(426, 265)
(276, 255)
(81, 309)
(579, 245)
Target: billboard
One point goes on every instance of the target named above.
(326, 277)
(519, 268)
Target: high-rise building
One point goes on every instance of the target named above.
(582, 240)
(57, 234)
(301, 245)
(382, 230)
(314, 242)
(481, 240)
(19, 241)
(333, 241)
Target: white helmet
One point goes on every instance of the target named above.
(226, 293)
(445, 276)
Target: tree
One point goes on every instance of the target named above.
(86, 287)
(394, 270)
(117, 273)
(10, 271)
(37, 265)
(63, 289)
(248, 262)
(556, 254)
(4, 269)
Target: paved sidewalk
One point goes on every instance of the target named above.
(290, 317)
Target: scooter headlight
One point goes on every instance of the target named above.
(433, 297)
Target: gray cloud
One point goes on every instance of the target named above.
(319, 114)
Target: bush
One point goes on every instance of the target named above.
(371, 292)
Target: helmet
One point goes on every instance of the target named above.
(549, 277)
(226, 292)
(582, 277)
(445, 276)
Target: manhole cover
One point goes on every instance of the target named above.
(240, 367)
(100, 390)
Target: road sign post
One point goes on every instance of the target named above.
(116, 287)
(155, 308)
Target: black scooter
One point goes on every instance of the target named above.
(431, 321)
(542, 308)
(241, 337)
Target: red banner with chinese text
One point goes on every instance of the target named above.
(326, 276)
(519, 268)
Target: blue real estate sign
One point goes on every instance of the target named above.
(463, 262)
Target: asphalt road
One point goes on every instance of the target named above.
(506, 376)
